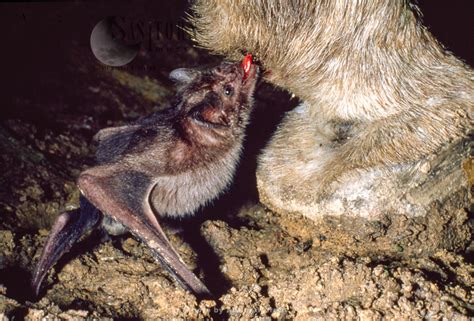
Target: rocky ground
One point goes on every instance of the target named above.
(258, 264)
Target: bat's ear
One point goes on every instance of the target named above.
(183, 76)
(210, 115)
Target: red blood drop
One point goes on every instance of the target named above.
(246, 63)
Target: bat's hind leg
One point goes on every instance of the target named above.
(67, 229)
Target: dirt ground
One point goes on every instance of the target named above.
(259, 264)
(259, 271)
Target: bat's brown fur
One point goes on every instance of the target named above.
(169, 163)
(369, 67)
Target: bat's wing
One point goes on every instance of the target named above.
(67, 229)
(124, 195)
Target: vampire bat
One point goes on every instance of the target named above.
(167, 164)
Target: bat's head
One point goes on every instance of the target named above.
(215, 104)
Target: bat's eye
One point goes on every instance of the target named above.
(228, 90)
